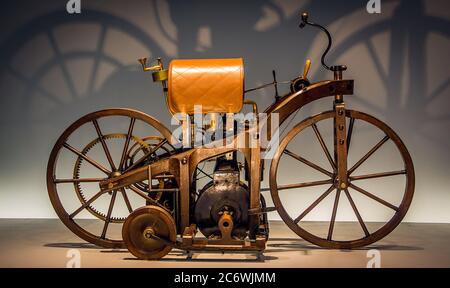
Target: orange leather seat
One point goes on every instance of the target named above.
(216, 84)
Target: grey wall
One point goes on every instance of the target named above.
(56, 67)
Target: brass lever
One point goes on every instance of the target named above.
(306, 69)
(157, 67)
(301, 81)
(159, 74)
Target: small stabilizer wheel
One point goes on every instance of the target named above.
(149, 233)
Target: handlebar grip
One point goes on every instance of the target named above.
(305, 17)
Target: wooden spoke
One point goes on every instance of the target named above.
(370, 195)
(364, 158)
(127, 201)
(108, 216)
(127, 143)
(81, 180)
(378, 175)
(350, 132)
(105, 147)
(159, 145)
(358, 216)
(324, 147)
(333, 215)
(146, 197)
(86, 204)
(314, 204)
(93, 162)
(306, 184)
(309, 163)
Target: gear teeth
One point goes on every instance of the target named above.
(77, 169)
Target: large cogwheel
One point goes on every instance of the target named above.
(139, 145)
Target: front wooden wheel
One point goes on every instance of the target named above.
(380, 179)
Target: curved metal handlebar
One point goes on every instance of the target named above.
(302, 25)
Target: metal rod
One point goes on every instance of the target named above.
(161, 143)
(143, 195)
(81, 180)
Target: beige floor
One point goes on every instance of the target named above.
(45, 243)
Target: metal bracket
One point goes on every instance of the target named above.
(260, 210)
(341, 145)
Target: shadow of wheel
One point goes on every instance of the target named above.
(34, 91)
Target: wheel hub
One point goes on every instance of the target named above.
(114, 174)
(148, 233)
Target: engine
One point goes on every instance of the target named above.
(225, 194)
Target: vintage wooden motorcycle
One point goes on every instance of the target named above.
(230, 213)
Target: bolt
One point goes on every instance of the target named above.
(184, 161)
(341, 141)
(341, 112)
(343, 185)
(341, 127)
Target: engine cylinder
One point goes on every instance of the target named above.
(225, 194)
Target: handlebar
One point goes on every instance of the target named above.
(302, 25)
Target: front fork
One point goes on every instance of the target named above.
(340, 138)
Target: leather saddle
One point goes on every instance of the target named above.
(215, 84)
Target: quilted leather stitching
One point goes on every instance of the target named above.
(196, 86)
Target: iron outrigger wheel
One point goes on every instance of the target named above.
(111, 167)
(149, 232)
(295, 224)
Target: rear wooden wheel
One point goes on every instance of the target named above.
(88, 153)
(388, 199)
